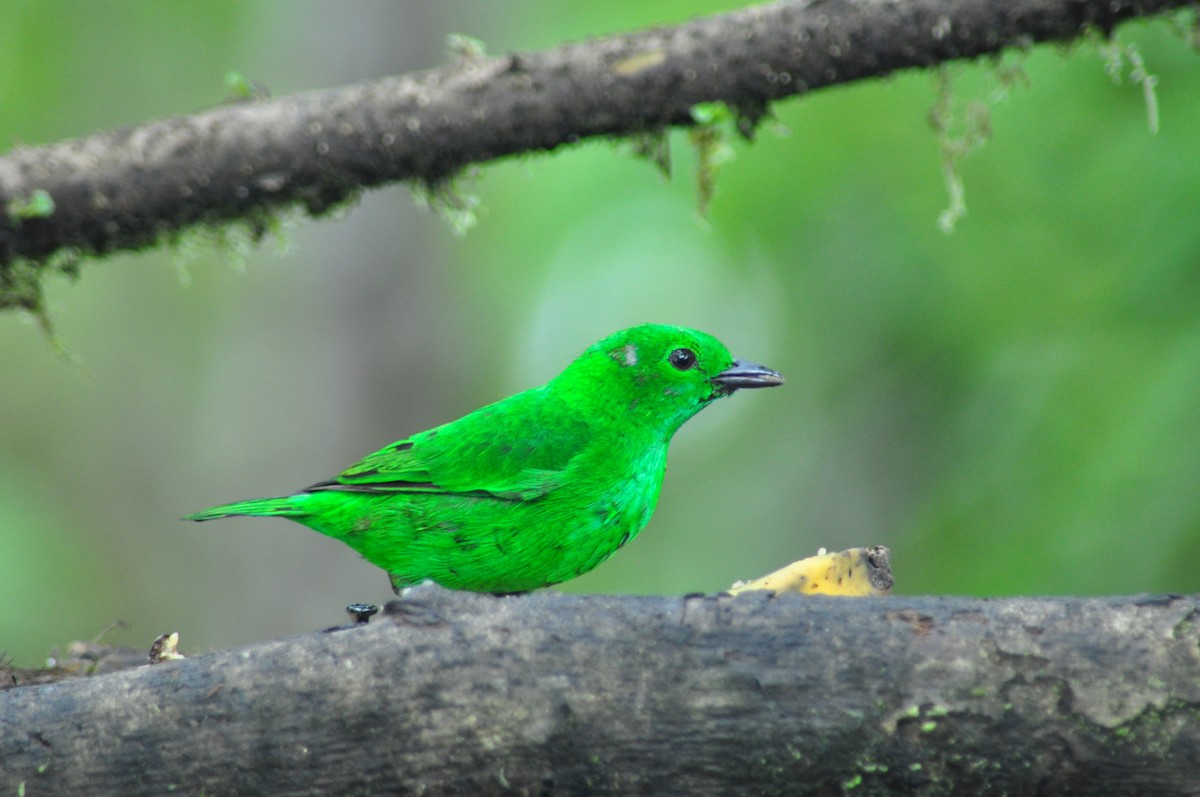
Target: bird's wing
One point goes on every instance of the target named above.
(497, 452)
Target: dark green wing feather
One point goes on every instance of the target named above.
(518, 449)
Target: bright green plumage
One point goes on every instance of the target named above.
(532, 490)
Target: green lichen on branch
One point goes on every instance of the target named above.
(962, 130)
(242, 89)
(653, 146)
(20, 286)
(710, 138)
(460, 45)
(959, 133)
(38, 205)
(22, 280)
(458, 208)
(230, 243)
(1116, 55)
(21, 289)
(1186, 24)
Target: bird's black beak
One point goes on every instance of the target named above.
(745, 374)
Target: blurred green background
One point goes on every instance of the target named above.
(1013, 408)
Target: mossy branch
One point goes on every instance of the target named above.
(248, 161)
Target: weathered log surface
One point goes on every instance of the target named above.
(452, 693)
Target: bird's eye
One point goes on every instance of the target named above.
(683, 359)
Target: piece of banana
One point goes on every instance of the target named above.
(855, 571)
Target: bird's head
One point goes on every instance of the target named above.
(661, 375)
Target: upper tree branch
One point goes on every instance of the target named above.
(128, 188)
(453, 693)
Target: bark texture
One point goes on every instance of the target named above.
(453, 693)
(130, 188)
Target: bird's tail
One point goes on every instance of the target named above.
(287, 506)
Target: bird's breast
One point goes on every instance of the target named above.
(617, 499)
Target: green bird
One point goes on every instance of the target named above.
(535, 489)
